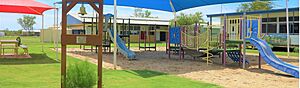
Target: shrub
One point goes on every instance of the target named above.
(296, 49)
(81, 75)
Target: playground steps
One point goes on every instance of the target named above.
(236, 56)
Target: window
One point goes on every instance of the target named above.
(272, 28)
(137, 28)
(264, 28)
(131, 27)
(134, 33)
(234, 21)
(296, 18)
(151, 33)
(269, 20)
(294, 28)
(151, 27)
(78, 31)
(264, 20)
(269, 28)
(282, 28)
(283, 19)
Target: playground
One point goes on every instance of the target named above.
(229, 76)
(99, 52)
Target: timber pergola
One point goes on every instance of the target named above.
(71, 39)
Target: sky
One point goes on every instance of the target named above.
(9, 20)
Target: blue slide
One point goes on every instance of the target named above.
(120, 43)
(268, 55)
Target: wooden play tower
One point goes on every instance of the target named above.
(80, 39)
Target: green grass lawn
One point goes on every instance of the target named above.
(43, 71)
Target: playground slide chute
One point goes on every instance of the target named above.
(271, 59)
(120, 43)
(268, 55)
(121, 46)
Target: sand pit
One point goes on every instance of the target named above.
(230, 76)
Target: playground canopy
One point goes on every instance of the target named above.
(23, 6)
(168, 5)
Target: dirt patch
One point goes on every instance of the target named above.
(231, 75)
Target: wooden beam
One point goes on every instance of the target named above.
(63, 50)
(95, 7)
(69, 7)
(100, 30)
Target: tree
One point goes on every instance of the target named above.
(188, 19)
(147, 14)
(138, 12)
(256, 5)
(27, 22)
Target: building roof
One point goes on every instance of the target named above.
(253, 12)
(76, 19)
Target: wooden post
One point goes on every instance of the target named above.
(100, 29)
(63, 46)
(224, 42)
(145, 39)
(241, 38)
(140, 36)
(259, 61)
(155, 37)
(71, 39)
(169, 47)
(129, 33)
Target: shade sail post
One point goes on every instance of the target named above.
(244, 30)
(115, 35)
(55, 31)
(43, 32)
(174, 11)
(287, 28)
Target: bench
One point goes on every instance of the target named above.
(25, 48)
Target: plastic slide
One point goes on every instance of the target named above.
(268, 55)
(120, 43)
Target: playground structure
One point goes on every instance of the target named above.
(193, 41)
(90, 28)
(124, 32)
(267, 53)
(121, 45)
(249, 29)
(223, 37)
(232, 40)
(196, 41)
(145, 36)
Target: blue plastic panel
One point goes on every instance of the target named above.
(174, 35)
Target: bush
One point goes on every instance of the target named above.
(81, 75)
(296, 49)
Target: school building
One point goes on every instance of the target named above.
(273, 24)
